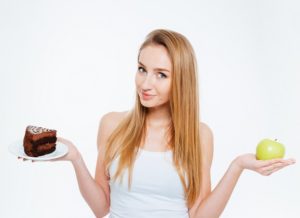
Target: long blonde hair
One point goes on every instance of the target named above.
(184, 128)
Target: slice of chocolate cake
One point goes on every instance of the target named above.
(39, 141)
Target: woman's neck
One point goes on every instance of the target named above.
(158, 117)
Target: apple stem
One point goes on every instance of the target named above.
(275, 140)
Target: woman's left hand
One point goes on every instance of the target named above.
(263, 167)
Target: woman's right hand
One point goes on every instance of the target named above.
(72, 155)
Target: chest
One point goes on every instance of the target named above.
(156, 140)
(153, 173)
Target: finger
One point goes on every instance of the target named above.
(267, 172)
(270, 168)
(266, 163)
(275, 167)
(274, 170)
(279, 168)
(285, 161)
(291, 161)
(279, 164)
(60, 139)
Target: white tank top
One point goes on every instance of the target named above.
(156, 189)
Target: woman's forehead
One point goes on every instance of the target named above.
(155, 56)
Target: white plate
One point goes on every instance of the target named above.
(17, 149)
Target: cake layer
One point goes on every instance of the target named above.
(39, 141)
(44, 141)
(34, 133)
(35, 151)
(45, 149)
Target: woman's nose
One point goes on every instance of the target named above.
(147, 82)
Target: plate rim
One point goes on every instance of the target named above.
(14, 146)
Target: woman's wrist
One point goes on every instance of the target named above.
(76, 157)
(237, 163)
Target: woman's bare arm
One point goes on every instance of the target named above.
(213, 203)
(94, 191)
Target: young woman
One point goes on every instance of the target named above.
(154, 160)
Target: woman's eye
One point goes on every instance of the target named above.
(141, 69)
(162, 75)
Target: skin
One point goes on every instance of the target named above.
(149, 80)
(155, 82)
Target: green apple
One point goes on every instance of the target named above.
(269, 149)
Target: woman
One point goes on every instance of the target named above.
(155, 160)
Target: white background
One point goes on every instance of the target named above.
(64, 64)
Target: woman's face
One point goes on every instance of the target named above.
(153, 78)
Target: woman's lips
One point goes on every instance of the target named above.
(147, 96)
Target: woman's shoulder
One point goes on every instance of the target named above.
(114, 116)
(111, 120)
(206, 139)
(108, 123)
(205, 130)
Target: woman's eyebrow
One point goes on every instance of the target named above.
(155, 69)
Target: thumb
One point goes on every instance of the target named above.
(63, 140)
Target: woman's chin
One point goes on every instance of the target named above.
(147, 104)
(152, 104)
